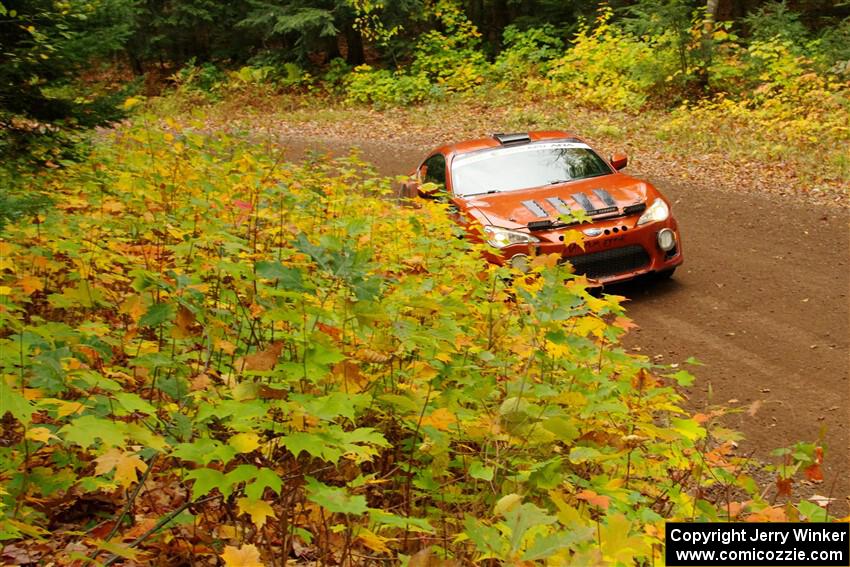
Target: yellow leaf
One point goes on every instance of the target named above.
(134, 306)
(548, 260)
(259, 510)
(617, 545)
(31, 284)
(40, 434)
(590, 325)
(7, 264)
(245, 556)
(131, 102)
(226, 346)
(5, 290)
(244, 442)
(573, 237)
(507, 503)
(64, 408)
(125, 465)
(441, 418)
(373, 541)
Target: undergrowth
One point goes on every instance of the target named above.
(209, 351)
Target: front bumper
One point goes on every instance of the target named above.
(622, 251)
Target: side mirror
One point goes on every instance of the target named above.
(409, 189)
(619, 161)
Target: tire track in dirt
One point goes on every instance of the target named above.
(761, 300)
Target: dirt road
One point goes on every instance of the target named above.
(762, 301)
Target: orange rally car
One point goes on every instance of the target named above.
(528, 190)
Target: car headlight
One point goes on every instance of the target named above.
(657, 211)
(500, 237)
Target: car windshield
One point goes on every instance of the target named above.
(522, 167)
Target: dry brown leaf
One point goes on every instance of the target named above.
(261, 361)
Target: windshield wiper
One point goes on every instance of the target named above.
(557, 181)
(490, 192)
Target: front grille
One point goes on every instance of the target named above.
(610, 262)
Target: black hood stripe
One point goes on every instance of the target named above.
(559, 205)
(605, 197)
(536, 209)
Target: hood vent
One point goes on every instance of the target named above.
(559, 205)
(585, 204)
(535, 209)
(605, 197)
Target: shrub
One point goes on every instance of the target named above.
(264, 354)
(526, 52)
(382, 87)
(206, 79)
(611, 68)
(451, 59)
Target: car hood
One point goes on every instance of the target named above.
(516, 209)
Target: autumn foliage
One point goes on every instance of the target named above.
(211, 352)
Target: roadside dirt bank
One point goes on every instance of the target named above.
(762, 301)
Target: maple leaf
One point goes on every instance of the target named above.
(244, 556)
(40, 434)
(31, 284)
(814, 472)
(783, 486)
(126, 466)
(593, 498)
(441, 418)
(351, 377)
(625, 323)
(261, 361)
(134, 306)
(258, 509)
(617, 544)
(244, 442)
(573, 237)
(373, 541)
(184, 322)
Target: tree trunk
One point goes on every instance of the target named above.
(355, 46)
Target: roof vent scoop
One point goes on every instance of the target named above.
(505, 139)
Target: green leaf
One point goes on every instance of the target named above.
(481, 472)
(688, 428)
(241, 474)
(205, 480)
(522, 518)
(550, 544)
(335, 500)
(288, 278)
(388, 519)
(204, 451)
(85, 430)
(300, 441)
(14, 403)
(683, 378)
(487, 539)
(265, 478)
(582, 454)
(133, 403)
(564, 428)
(157, 314)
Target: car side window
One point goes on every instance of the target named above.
(435, 170)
